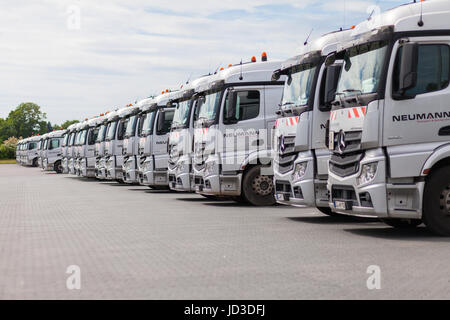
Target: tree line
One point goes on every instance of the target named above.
(27, 120)
(24, 121)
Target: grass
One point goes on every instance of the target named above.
(11, 161)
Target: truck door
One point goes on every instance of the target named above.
(422, 113)
(53, 149)
(161, 137)
(242, 119)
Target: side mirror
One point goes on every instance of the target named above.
(276, 75)
(408, 68)
(331, 80)
(230, 114)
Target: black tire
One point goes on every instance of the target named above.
(436, 202)
(403, 223)
(35, 162)
(58, 167)
(239, 199)
(258, 189)
(328, 211)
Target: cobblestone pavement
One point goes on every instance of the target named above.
(134, 243)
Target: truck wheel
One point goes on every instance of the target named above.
(58, 167)
(327, 211)
(35, 162)
(402, 223)
(258, 189)
(436, 202)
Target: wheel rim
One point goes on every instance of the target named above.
(262, 185)
(444, 201)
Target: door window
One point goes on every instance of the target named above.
(247, 105)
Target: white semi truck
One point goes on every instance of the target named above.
(31, 151)
(300, 151)
(88, 137)
(72, 149)
(42, 148)
(181, 151)
(390, 123)
(131, 142)
(232, 136)
(118, 122)
(153, 144)
(100, 165)
(52, 156)
(67, 147)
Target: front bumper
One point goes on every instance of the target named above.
(210, 181)
(114, 168)
(378, 198)
(307, 191)
(100, 168)
(151, 176)
(181, 177)
(87, 167)
(129, 168)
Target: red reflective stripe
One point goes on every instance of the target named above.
(296, 119)
(349, 114)
(355, 111)
(291, 121)
(363, 109)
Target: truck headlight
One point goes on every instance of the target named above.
(299, 170)
(368, 172)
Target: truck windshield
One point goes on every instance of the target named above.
(181, 115)
(297, 88)
(111, 131)
(208, 105)
(131, 127)
(362, 68)
(101, 134)
(147, 125)
(82, 139)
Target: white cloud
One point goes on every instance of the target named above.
(126, 50)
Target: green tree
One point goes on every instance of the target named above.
(66, 124)
(5, 129)
(27, 119)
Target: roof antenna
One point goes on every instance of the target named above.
(217, 68)
(241, 77)
(420, 23)
(189, 78)
(307, 38)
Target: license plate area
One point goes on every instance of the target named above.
(342, 205)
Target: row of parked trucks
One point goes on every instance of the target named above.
(363, 127)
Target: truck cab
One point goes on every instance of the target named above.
(52, 160)
(72, 149)
(42, 150)
(300, 151)
(153, 143)
(117, 123)
(67, 147)
(88, 137)
(131, 142)
(390, 123)
(100, 147)
(181, 146)
(232, 136)
(78, 146)
(31, 152)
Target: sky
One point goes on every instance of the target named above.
(79, 58)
